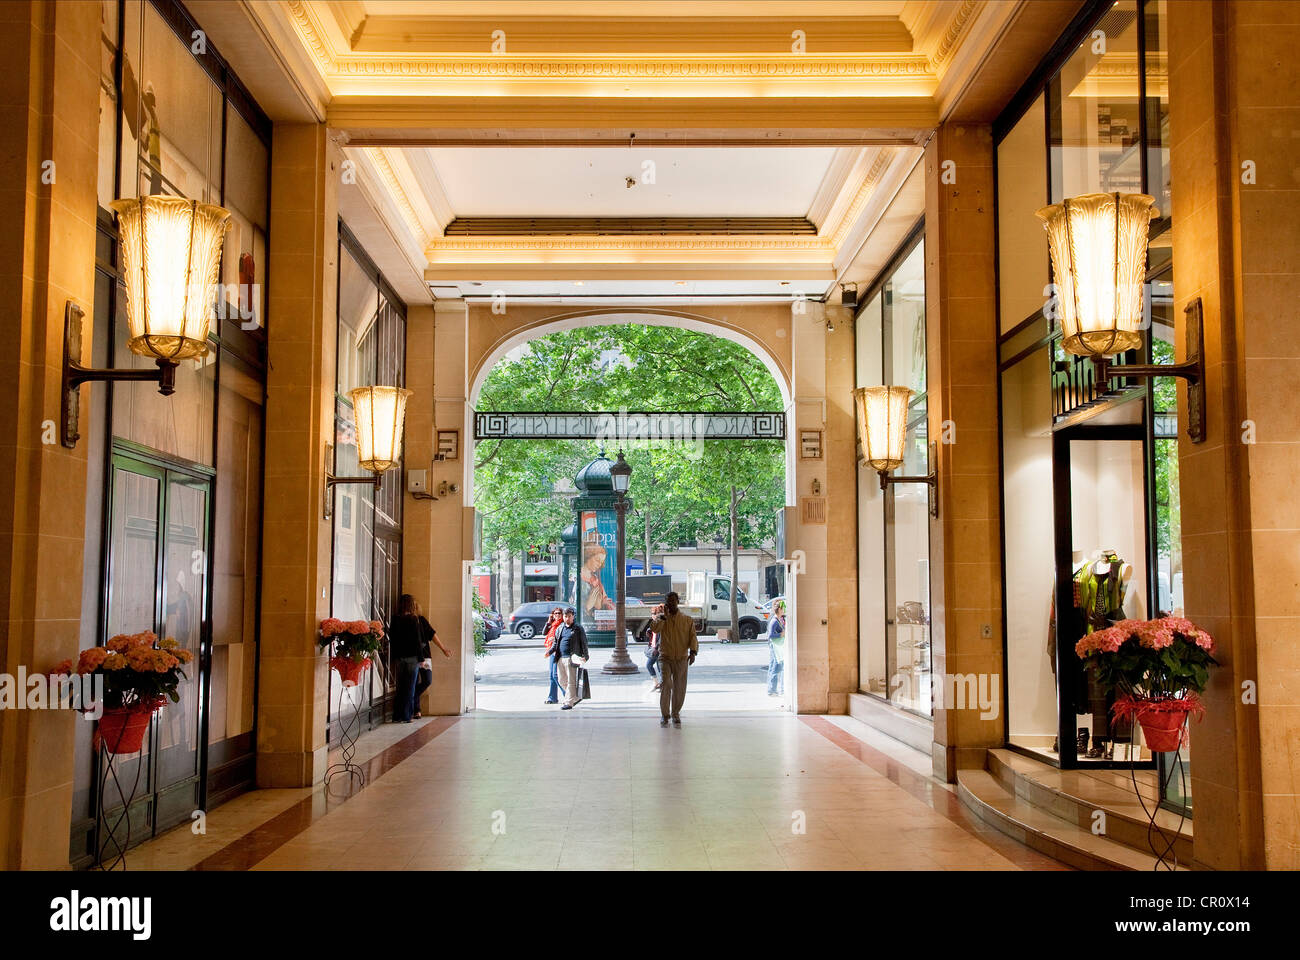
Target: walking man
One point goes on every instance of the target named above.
(677, 649)
(570, 642)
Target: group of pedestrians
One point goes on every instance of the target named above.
(671, 648)
(565, 645)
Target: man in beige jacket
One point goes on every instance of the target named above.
(677, 649)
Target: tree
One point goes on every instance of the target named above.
(682, 492)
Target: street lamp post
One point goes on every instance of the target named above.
(620, 663)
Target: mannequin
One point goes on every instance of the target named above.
(1102, 589)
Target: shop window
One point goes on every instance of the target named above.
(1095, 115)
(1028, 556)
(184, 470)
(872, 676)
(1090, 508)
(1022, 189)
(1155, 17)
(894, 526)
(367, 521)
(243, 267)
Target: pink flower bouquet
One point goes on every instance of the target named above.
(1156, 668)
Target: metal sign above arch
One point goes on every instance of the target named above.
(625, 425)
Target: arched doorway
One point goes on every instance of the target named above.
(708, 578)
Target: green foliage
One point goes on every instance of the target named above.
(684, 495)
(480, 630)
(1138, 670)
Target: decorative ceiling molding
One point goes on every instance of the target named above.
(393, 186)
(860, 201)
(833, 185)
(345, 64)
(956, 31)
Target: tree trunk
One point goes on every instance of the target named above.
(646, 571)
(510, 580)
(735, 569)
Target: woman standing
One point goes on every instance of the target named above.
(652, 647)
(409, 636)
(776, 652)
(552, 626)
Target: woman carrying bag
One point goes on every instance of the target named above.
(570, 653)
(548, 644)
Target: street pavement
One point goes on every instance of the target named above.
(513, 678)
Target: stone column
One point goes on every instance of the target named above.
(1233, 85)
(812, 636)
(840, 479)
(293, 680)
(965, 561)
(434, 547)
(49, 118)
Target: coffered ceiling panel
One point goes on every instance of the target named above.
(577, 182)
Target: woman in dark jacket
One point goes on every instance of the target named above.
(409, 636)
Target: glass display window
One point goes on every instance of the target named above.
(1095, 111)
(366, 581)
(894, 525)
(1022, 189)
(1091, 520)
(168, 125)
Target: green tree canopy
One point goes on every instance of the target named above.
(685, 492)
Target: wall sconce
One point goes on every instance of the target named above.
(171, 252)
(380, 416)
(882, 431)
(1098, 244)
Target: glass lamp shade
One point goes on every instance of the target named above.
(621, 475)
(882, 425)
(171, 252)
(1098, 243)
(380, 414)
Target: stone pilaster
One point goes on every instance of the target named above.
(49, 105)
(961, 326)
(293, 681)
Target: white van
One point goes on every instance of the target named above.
(710, 594)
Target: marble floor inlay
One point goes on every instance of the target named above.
(568, 791)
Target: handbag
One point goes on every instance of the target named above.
(584, 690)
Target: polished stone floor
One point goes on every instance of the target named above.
(574, 791)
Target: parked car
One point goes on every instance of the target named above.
(492, 626)
(529, 619)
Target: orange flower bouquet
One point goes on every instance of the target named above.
(354, 642)
(141, 673)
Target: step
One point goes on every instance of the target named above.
(1000, 808)
(1075, 795)
(912, 730)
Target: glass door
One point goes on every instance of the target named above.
(158, 580)
(1102, 577)
(184, 602)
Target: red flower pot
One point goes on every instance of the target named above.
(350, 670)
(1163, 729)
(1161, 718)
(123, 728)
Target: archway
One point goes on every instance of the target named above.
(764, 330)
(736, 679)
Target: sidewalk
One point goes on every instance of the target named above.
(514, 679)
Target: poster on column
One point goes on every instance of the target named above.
(599, 568)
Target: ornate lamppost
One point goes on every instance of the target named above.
(620, 663)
